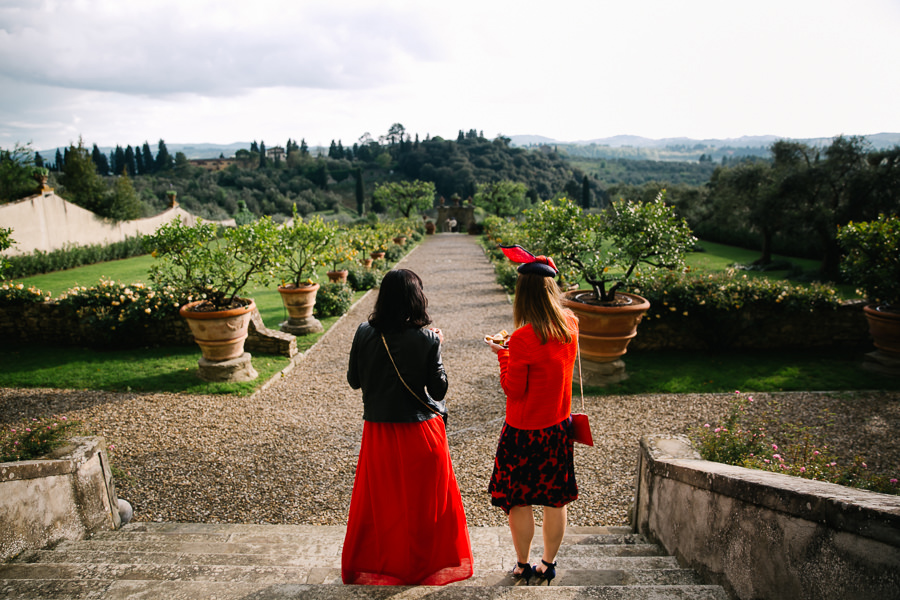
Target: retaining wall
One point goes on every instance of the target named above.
(48, 222)
(66, 496)
(765, 535)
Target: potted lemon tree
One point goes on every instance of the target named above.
(871, 260)
(302, 247)
(605, 249)
(339, 255)
(209, 272)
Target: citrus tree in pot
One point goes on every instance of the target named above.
(339, 255)
(871, 260)
(303, 244)
(605, 249)
(209, 272)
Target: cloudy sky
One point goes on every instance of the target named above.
(221, 71)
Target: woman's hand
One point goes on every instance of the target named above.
(495, 347)
(439, 333)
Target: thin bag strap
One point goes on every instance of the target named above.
(428, 406)
(580, 383)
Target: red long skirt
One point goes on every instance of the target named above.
(406, 525)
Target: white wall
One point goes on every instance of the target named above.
(48, 222)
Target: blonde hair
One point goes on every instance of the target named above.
(538, 302)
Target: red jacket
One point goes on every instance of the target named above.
(537, 379)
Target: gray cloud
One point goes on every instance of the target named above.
(210, 48)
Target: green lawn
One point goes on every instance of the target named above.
(682, 372)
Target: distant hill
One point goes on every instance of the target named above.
(619, 146)
(684, 149)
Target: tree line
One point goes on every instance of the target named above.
(790, 202)
(271, 183)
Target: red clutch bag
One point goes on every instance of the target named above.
(580, 429)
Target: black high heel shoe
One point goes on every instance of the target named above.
(547, 574)
(527, 572)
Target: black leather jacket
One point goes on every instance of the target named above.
(417, 353)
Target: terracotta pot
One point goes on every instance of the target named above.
(376, 255)
(605, 331)
(884, 327)
(220, 334)
(338, 276)
(299, 303)
(400, 240)
(429, 228)
(367, 262)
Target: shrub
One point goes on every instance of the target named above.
(35, 438)
(5, 242)
(792, 449)
(723, 295)
(506, 275)
(333, 300)
(72, 256)
(361, 278)
(16, 294)
(115, 315)
(394, 253)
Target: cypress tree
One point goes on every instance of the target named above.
(262, 154)
(60, 163)
(130, 165)
(360, 197)
(147, 162)
(163, 158)
(83, 185)
(100, 161)
(119, 164)
(585, 193)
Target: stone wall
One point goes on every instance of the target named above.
(765, 535)
(752, 329)
(65, 496)
(48, 222)
(51, 323)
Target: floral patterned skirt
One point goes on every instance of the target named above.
(534, 467)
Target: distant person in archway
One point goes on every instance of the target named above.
(406, 524)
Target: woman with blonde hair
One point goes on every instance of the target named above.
(534, 464)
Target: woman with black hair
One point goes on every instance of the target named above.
(406, 524)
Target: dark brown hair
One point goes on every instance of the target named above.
(401, 303)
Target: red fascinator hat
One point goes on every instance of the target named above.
(531, 264)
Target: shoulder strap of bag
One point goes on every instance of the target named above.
(580, 383)
(428, 406)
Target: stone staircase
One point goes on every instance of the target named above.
(205, 560)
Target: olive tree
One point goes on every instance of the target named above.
(406, 196)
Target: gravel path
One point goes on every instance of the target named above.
(287, 454)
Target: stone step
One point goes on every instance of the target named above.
(205, 560)
(196, 590)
